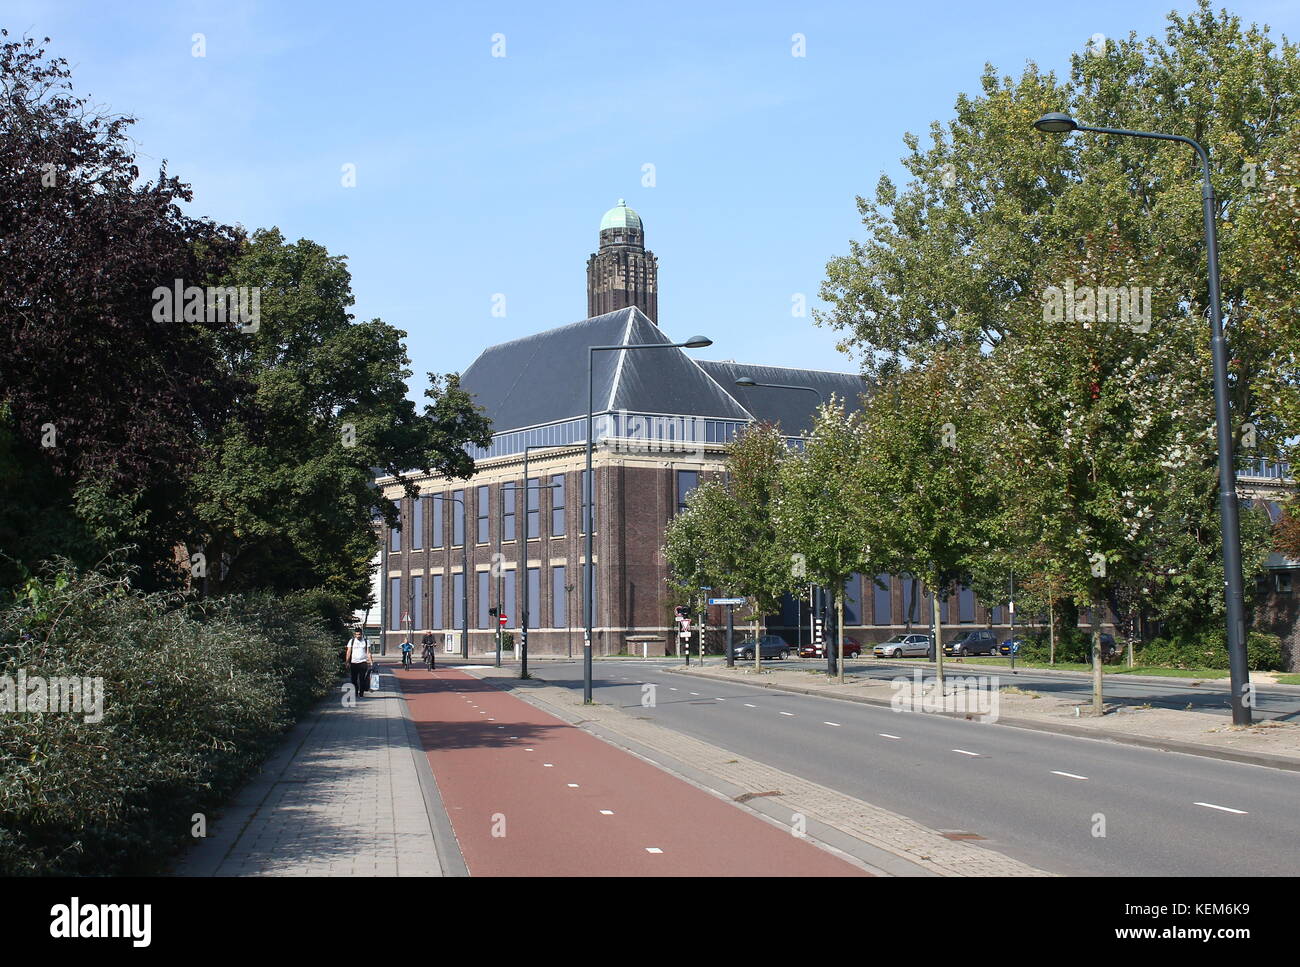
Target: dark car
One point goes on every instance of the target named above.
(852, 649)
(967, 643)
(769, 646)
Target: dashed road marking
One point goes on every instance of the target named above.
(787, 713)
(1226, 809)
(835, 724)
(607, 812)
(975, 755)
(573, 785)
(1068, 775)
(653, 849)
(747, 705)
(888, 736)
(548, 765)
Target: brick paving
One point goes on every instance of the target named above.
(342, 797)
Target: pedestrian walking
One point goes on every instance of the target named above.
(359, 663)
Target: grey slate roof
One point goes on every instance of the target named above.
(792, 409)
(542, 379)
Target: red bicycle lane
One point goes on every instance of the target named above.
(531, 795)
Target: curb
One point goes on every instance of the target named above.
(1118, 677)
(1268, 759)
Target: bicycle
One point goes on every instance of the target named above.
(429, 657)
(406, 660)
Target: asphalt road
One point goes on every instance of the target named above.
(1211, 696)
(1038, 797)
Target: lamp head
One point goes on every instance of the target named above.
(745, 381)
(698, 342)
(1056, 123)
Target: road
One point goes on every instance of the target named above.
(1038, 797)
(530, 795)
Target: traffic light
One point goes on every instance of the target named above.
(683, 612)
(492, 612)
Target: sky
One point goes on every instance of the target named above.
(481, 176)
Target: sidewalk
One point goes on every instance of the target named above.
(348, 794)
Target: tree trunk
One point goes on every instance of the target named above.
(938, 639)
(1051, 632)
(839, 635)
(1096, 655)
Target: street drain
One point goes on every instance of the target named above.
(755, 795)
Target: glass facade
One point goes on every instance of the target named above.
(483, 601)
(436, 601)
(394, 604)
(687, 480)
(965, 605)
(534, 596)
(395, 533)
(435, 516)
(482, 506)
(853, 600)
(882, 605)
(458, 600)
(624, 425)
(417, 602)
(417, 524)
(458, 518)
(509, 599)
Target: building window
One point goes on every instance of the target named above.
(416, 606)
(882, 605)
(852, 600)
(995, 616)
(687, 480)
(534, 594)
(532, 497)
(394, 604)
(1282, 582)
(508, 598)
(557, 506)
(458, 600)
(437, 602)
(965, 605)
(483, 603)
(508, 518)
(395, 533)
(458, 518)
(482, 504)
(559, 598)
(436, 517)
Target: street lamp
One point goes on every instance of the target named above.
(832, 659)
(464, 573)
(588, 488)
(1235, 610)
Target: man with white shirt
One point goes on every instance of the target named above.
(359, 663)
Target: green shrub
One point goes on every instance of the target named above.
(1210, 650)
(195, 697)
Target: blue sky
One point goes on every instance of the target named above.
(479, 175)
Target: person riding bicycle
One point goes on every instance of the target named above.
(407, 647)
(429, 651)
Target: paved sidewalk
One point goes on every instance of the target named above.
(348, 794)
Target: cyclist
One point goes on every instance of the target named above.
(429, 651)
(407, 648)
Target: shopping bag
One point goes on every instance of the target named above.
(374, 679)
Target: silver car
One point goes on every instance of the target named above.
(904, 646)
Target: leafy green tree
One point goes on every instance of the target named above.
(701, 545)
(824, 517)
(285, 493)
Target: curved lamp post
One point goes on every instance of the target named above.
(1241, 715)
(588, 486)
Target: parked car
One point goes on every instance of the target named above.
(905, 646)
(769, 646)
(852, 649)
(1012, 645)
(967, 643)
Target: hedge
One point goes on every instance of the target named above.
(195, 697)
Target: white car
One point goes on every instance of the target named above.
(904, 646)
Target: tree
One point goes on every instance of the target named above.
(823, 515)
(701, 545)
(922, 461)
(285, 495)
(95, 391)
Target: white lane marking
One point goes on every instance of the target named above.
(719, 699)
(787, 713)
(1068, 775)
(1226, 809)
(964, 752)
(528, 750)
(607, 812)
(888, 736)
(653, 849)
(573, 785)
(747, 705)
(836, 724)
(695, 693)
(548, 765)
(671, 689)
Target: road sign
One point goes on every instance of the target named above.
(503, 619)
(726, 600)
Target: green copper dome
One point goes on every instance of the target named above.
(621, 216)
